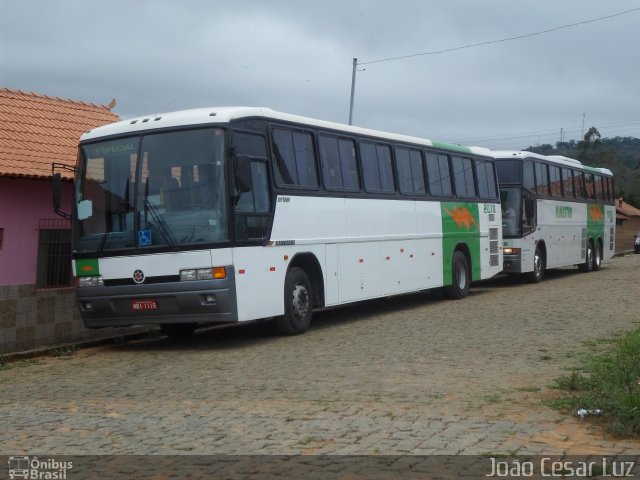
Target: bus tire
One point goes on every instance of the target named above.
(597, 257)
(587, 266)
(460, 276)
(539, 265)
(298, 303)
(178, 330)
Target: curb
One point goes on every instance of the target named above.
(80, 344)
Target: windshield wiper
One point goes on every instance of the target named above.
(161, 223)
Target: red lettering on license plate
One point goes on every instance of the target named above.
(141, 305)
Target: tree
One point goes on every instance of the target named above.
(589, 147)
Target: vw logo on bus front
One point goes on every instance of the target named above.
(138, 276)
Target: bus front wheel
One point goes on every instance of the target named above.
(298, 303)
(538, 267)
(460, 277)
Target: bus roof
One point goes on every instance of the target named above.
(202, 116)
(557, 159)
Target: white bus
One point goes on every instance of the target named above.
(226, 215)
(556, 212)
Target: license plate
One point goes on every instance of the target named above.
(143, 305)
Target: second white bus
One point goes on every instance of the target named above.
(556, 212)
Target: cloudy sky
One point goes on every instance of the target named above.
(296, 56)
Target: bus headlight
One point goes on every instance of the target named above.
(90, 281)
(203, 274)
(511, 251)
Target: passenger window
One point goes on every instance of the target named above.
(463, 177)
(294, 157)
(578, 182)
(528, 178)
(377, 171)
(542, 178)
(410, 171)
(438, 174)
(338, 162)
(486, 179)
(555, 184)
(589, 186)
(599, 187)
(567, 183)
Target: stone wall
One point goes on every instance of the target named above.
(35, 319)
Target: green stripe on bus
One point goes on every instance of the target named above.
(451, 146)
(595, 222)
(460, 225)
(87, 267)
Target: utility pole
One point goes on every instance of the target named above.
(561, 135)
(584, 115)
(353, 89)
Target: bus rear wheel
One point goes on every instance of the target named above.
(597, 258)
(298, 303)
(587, 266)
(460, 276)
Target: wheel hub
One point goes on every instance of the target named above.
(300, 301)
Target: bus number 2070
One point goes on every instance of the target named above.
(489, 208)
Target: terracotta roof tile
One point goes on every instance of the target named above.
(626, 209)
(36, 130)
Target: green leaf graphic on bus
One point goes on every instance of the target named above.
(460, 216)
(460, 229)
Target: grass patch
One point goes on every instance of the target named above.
(4, 363)
(609, 379)
(66, 351)
(493, 397)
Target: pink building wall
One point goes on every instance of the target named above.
(25, 205)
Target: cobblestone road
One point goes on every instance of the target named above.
(415, 374)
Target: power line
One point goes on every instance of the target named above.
(356, 63)
(518, 37)
(616, 126)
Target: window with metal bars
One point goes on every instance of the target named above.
(54, 258)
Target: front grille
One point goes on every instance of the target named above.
(147, 281)
(494, 248)
(611, 239)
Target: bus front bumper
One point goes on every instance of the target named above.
(512, 264)
(201, 301)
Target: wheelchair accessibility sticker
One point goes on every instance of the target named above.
(144, 238)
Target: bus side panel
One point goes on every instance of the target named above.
(331, 275)
(260, 275)
(309, 219)
(301, 225)
(560, 226)
(359, 271)
(429, 249)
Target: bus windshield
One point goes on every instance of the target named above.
(511, 201)
(158, 190)
(509, 171)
